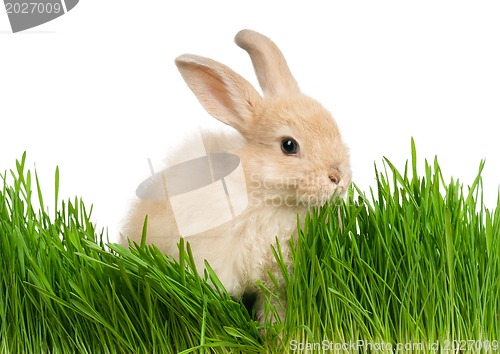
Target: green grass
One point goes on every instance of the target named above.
(415, 261)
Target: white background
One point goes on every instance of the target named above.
(96, 91)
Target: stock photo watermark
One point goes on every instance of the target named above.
(356, 346)
(26, 14)
(210, 190)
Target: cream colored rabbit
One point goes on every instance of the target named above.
(292, 155)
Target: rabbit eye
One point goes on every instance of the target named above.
(289, 146)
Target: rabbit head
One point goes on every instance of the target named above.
(293, 154)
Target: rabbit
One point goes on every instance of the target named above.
(293, 158)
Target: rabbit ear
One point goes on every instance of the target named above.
(222, 92)
(269, 63)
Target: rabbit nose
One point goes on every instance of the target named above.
(334, 178)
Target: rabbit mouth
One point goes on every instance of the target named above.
(321, 198)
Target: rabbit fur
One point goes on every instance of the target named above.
(281, 186)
